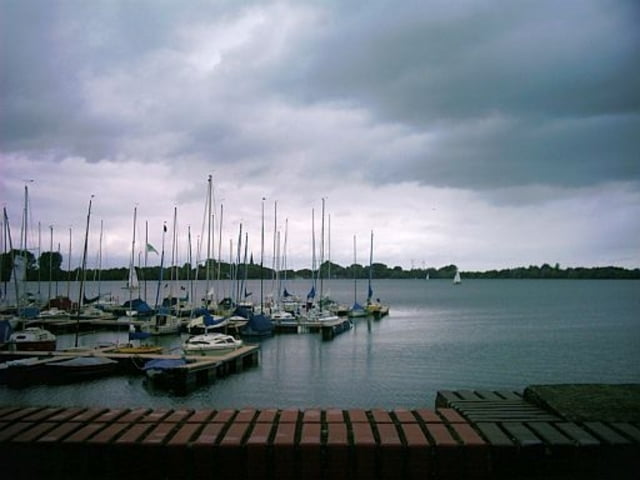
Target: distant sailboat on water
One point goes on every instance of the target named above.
(456, 279)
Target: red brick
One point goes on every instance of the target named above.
(41, 415)
(6, 411)
(155, 416)
(178, 416)
(109, 433)
(310, 451)
(283, 450)
(35, 431)
(21, 413)
(111, 415)
(381, 416)
(223, 416)
(204, 450)
(334, 416)
(134, 434)
(246, 415)
(179, 460)
(267, 416)
(428, 416)
(209, 434)
(201, 416)
(467, 434)
(14, 429)
(447, 452)
(231, 451)
(235, 434)
(358, 416)
(405, 416)
(133, 415)
(365, 450)
(337, 447)
(159, 434)
(441, 436)
(58, 433)
(289, 416)
(87, 415)
(66, 414)
(184, 434)
(312, 416)
(418, 462)
(391, 454)
(451, 416)
(257, 450)
(475, 458)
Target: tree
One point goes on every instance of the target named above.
(50, 263)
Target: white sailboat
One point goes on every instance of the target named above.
(456, 279)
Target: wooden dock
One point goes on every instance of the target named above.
(328, 329)
(199, 369)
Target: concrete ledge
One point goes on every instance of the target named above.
(440, 443)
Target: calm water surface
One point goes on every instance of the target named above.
(483, 334)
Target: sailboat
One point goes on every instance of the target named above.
(315, 311)
(456, 279)
(132, 280)
(163, 322)
(356, 309)
(259, 324)
(377, 309)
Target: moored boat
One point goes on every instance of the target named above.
(33, 339)
(211, 344)
(79, 368)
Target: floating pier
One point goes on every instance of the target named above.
(199, 369)
(328, 329)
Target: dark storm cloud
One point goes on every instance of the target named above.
(561, 76)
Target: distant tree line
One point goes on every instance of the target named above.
(49, 267)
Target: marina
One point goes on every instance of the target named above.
(482, 334)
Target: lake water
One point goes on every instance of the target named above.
(483, 334)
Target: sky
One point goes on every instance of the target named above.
(485, 134)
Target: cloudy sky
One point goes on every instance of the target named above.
(489, 134)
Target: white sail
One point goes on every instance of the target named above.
(132, 282)
(456, 279)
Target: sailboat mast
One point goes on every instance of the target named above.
(69, 266)
(220, 244)
(262, 258)
(275, 233)
(208, 262)
(13, 262)
(133, 255)
(50, 259)
(321, 252)
(370, 292)
(82, 272)
(355, 281)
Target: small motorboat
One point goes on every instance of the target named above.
(32, 339)
(211, 344)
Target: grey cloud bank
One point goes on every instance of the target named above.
(488, 134)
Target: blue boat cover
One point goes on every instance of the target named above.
(258, 324)
(5, 331)
(164, 363)
(138, 305)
